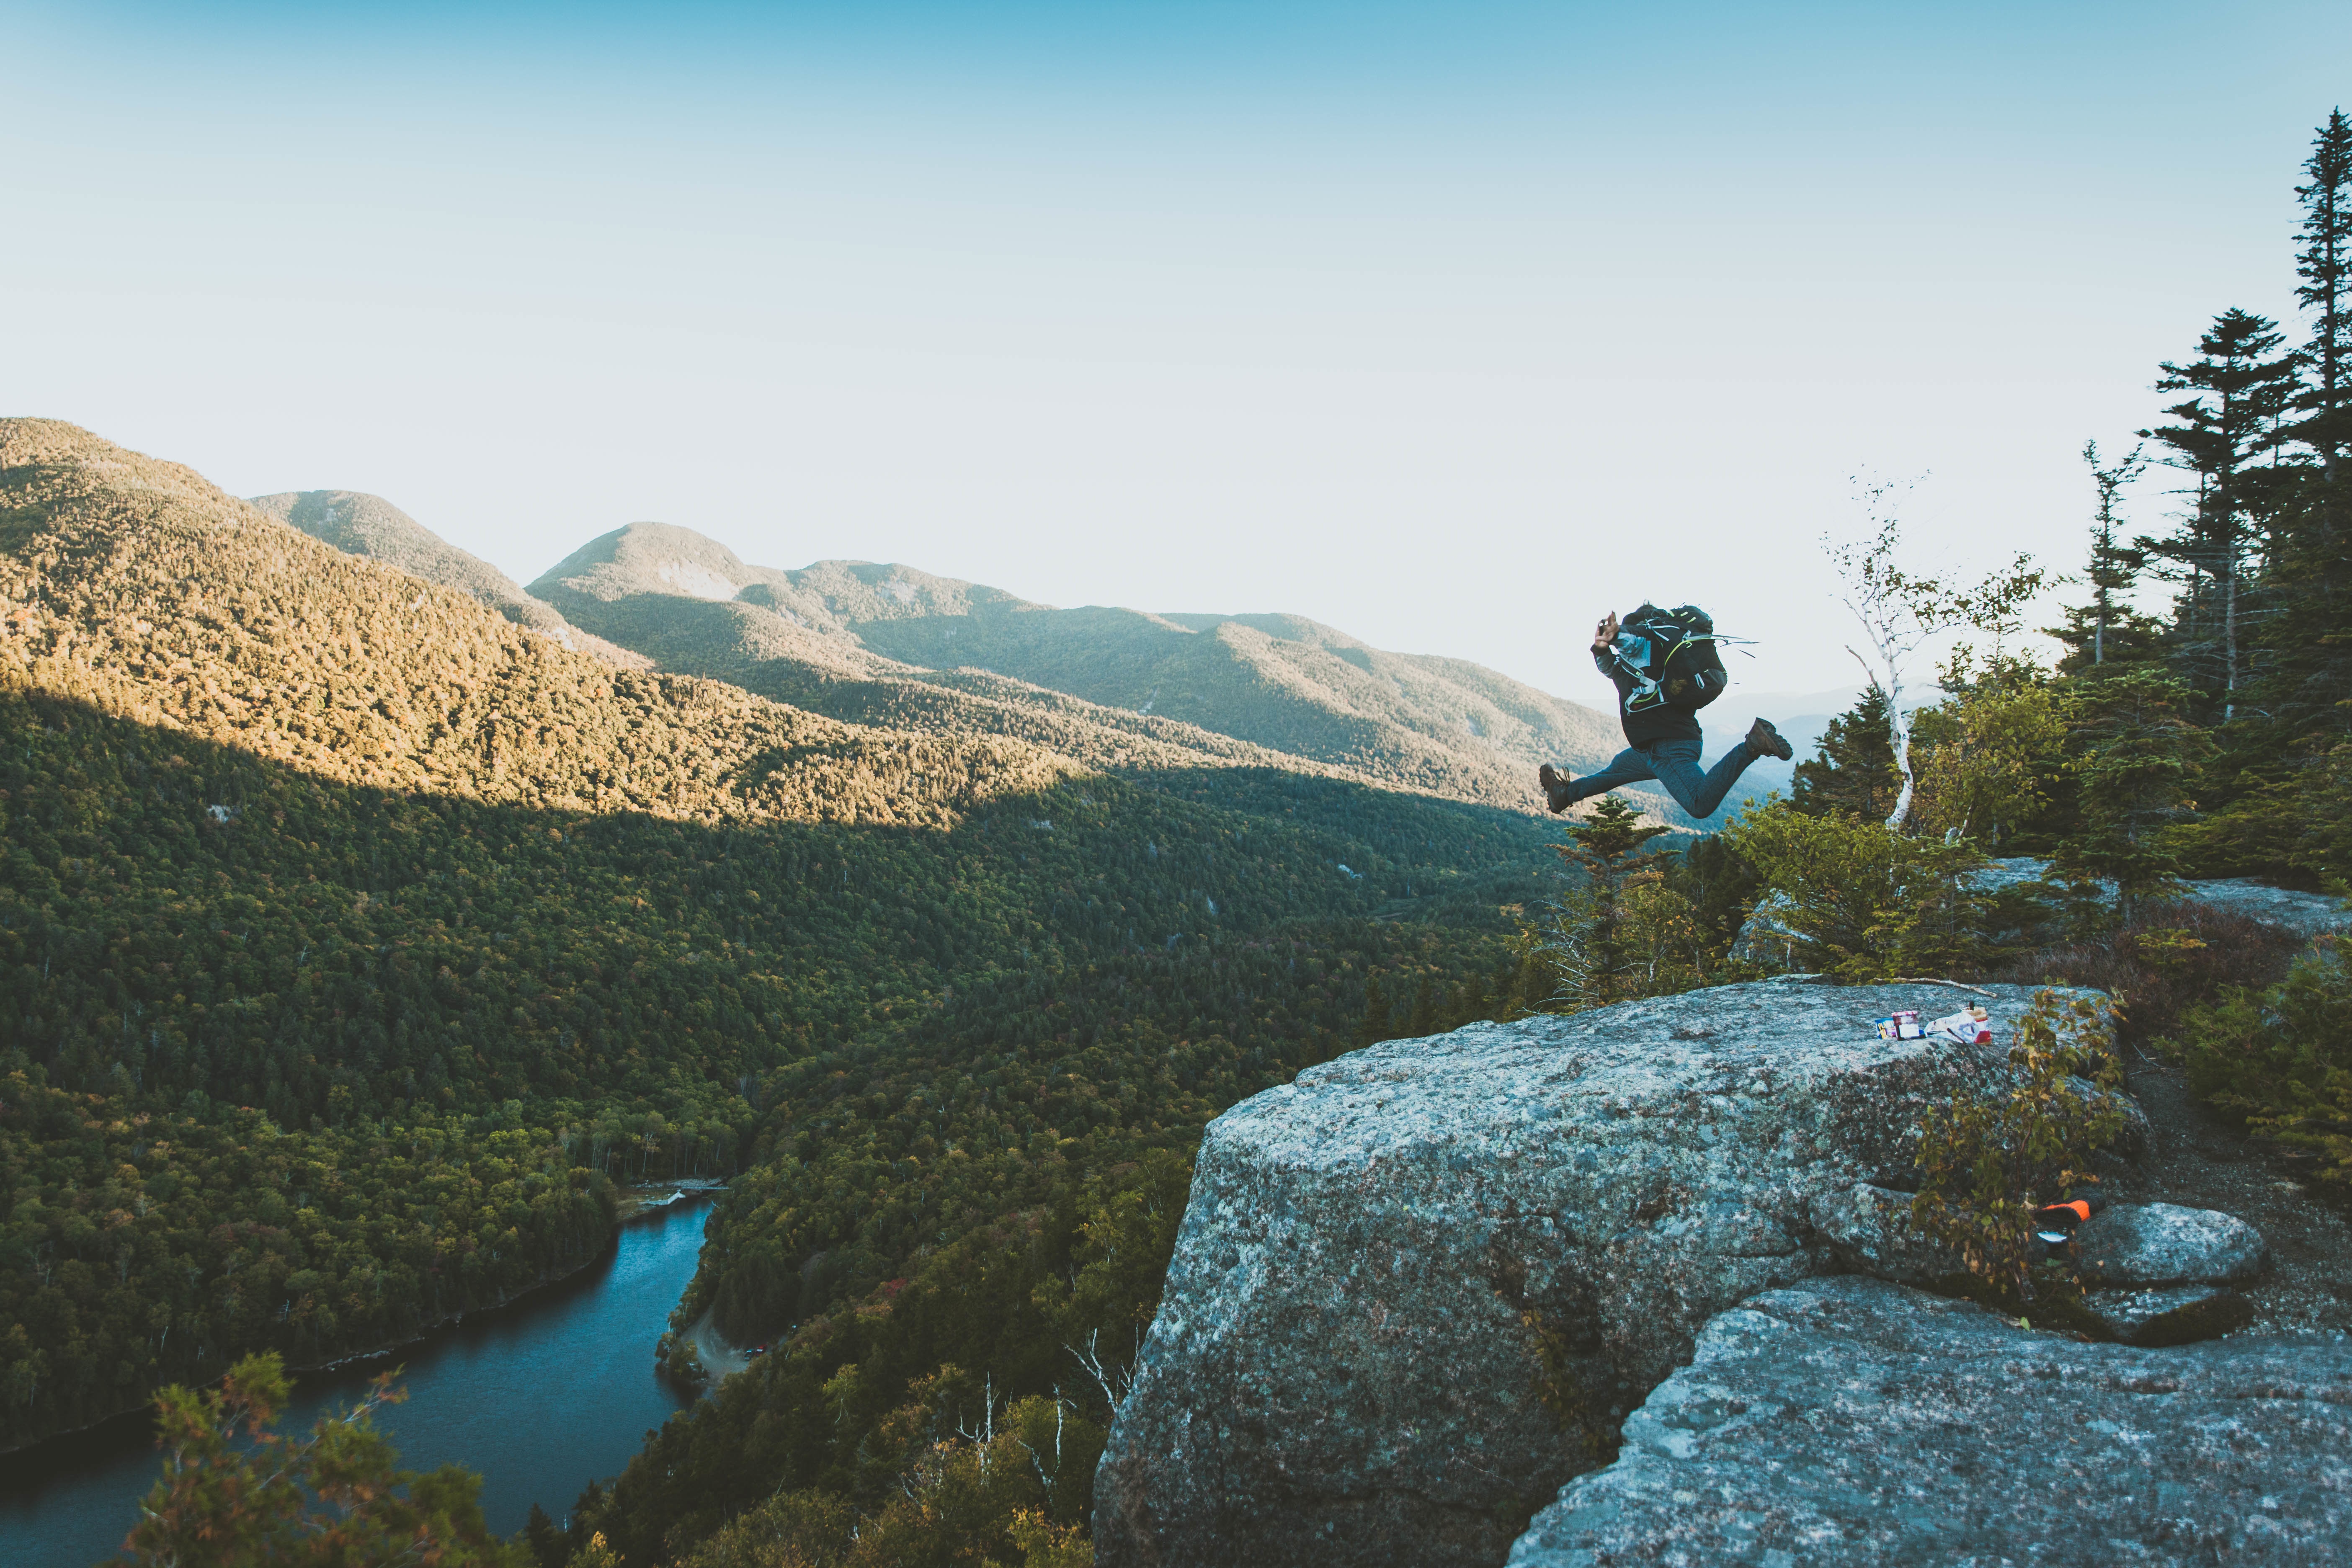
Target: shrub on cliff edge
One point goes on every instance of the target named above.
(1989, 1160)
(1864, 901)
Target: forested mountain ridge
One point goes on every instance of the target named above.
(354, 940)
(763, 644)
(137, 586)
(362, 524)
(835, 677)
(847, 637)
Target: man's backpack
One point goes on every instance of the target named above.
(1671, 656)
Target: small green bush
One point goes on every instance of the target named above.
(1988, 1161)
(2159, 965)
(236, 1492)
(2281, 1058)
(1866, 902)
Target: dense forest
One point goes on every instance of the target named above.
(355, 943)
(2254, 564)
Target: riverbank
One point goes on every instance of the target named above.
(635, 1204)
(539, 1396)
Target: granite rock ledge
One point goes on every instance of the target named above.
(1849, 1421)
(1386, 1264)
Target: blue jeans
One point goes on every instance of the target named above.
(1674, 764)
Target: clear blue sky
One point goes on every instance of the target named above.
(1451, 325)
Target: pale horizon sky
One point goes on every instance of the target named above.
(1450, 326)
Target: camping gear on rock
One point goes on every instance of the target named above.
(1969, 1026)
(1671, 656)
(1900, 1026)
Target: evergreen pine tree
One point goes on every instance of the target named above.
(1426, 1017)
(2324, 263)
(2108, 630)
(1379, 1016)
(2243, 386)
(2136, 754)
(544, 1542)
(1855, 772)
(2308, 644)
(1585, 942)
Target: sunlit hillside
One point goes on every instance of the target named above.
(355, 941)
(360, 524)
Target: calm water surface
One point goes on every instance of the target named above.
(539, 1396)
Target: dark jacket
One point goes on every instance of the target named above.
(1666, 723)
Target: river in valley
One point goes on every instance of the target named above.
(539, 1396)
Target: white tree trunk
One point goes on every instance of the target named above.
(1898, 729)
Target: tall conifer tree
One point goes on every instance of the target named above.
(2242, 386)
(2324, 263)
(2108, 630)
(2308, 645)
(1854, 771)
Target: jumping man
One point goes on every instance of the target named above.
(1659, 710)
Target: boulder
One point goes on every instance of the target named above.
(2305, 914)
(2026, 871)
(2170, 1314)
(2165, 1244)
(1765, 939)
(1415, 1290)
(1848, 1421)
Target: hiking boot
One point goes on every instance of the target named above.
(1556, 788)
(1765, 741)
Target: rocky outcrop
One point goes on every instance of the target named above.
(2305, 914)
(2170, 1314)
(2159, 1274)
(2165, 1244)
(1765, 937)
(1849, 1421)
(1401, 1276)
(1869, 1228)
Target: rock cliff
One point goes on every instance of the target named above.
(1851, 1421)
(1419, 1287)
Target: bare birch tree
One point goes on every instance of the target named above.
(1901, 611)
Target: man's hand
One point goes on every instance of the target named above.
(1605, 632)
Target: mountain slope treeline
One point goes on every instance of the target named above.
(355, 943)
(891, 644)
